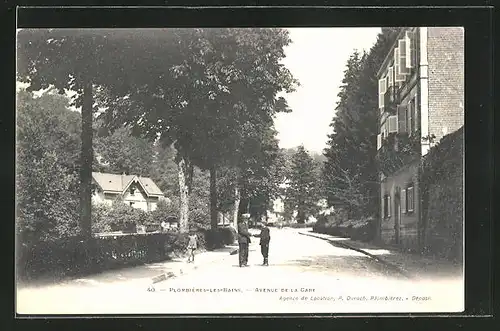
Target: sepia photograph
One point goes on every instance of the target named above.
(238, 170)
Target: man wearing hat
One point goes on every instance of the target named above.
(243, 239)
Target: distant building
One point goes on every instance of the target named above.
(277, 213)
(421, 96)
(138, 192)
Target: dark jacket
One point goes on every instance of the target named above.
(264, 235)
(243, 234)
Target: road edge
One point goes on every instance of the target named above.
(362, 251)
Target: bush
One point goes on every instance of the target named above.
(76, 256)
(442, 197)
(164, 210)
(363, 229)
(300, 225)
(199, 214)
(219, 237)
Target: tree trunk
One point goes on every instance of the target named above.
(301, 217)
(237, 198)
(213, 198)
(184, 194)
(86, 163)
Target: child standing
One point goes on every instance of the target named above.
(265, 238)
(192, 246)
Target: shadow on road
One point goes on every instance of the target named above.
(351, 266)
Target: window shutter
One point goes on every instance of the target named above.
(409, 114)
(382, 84)
(410, 198)
(401, 119)
(382, 88)
(398, 77)
(402, 57)
(385, 128)
(381, 101)
(388, 206)
(415, 114)
(383, 207)
(403, 201)
(390, 77)
(379, 141)
(409, 50)
(393, 123)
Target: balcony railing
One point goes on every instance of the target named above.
(397, 150)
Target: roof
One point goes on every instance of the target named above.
(119, 183)
(149, 186)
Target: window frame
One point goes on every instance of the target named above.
(382, 86)
(401, 110)
(387, 206)
(402, 56)
(409, 117)
(394, 122)
(410, 202)
(403, 201)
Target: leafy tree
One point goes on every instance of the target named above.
(251, 77)
(123, 153)
(218, 80)
(117, 217)
(78, 60)
(47, 167)
(301, 194)
(350, 171)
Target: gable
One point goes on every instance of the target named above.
(111, 182)
(119, 184)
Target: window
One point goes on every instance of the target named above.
(398, 76)
(383, 130)
(131, 204)
(402, 49)
(379, 141)
(401, 118)
(390, 77)
(382, 88)
(415, 114)
(410, 117)
(403, 201)
(411, 53)
(132, 190)
(409, 199)
(392, 123)
(387, 206)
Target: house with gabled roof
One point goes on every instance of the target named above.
(136, 191)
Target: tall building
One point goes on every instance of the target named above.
(421, 99)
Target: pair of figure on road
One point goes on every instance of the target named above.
(244, 240)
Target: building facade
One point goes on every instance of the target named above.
(421, 99)
(138, 192)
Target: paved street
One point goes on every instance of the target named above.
(305, 275)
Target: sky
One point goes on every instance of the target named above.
(317, 58)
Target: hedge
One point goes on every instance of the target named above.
(442, 199)
(74, 256)
(362, 229)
